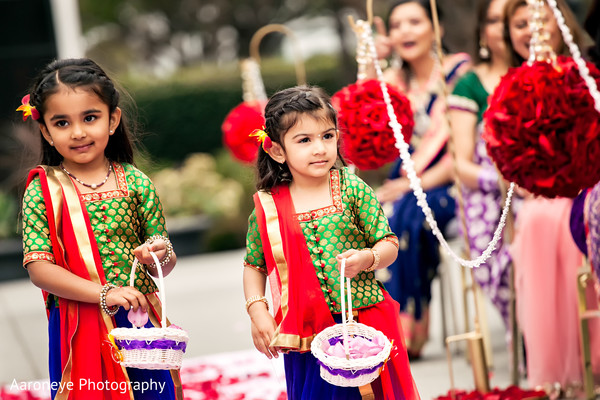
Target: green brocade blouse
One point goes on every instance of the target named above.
(355, 220)
(121, 219)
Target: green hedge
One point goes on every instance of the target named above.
(184, 114)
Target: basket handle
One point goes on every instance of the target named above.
(262, 32)
(345, 315)
(161, 285)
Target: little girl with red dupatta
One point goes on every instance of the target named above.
(310, 213)
(87, 213)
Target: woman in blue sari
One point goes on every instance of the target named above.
(417, 72)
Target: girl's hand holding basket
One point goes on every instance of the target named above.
(150, 348)
(127, 297)
(358, 261)
(162, 248)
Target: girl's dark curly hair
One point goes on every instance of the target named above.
(81, 73)
(281, 113)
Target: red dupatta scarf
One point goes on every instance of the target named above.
(300, 308)
(86, 354)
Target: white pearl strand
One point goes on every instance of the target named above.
(539, 45)
(574, 50)
(415, 181)
(252, 83)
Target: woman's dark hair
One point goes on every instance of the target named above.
(86, 74)
(592, 26)
(281, 113)
(426, 4)
(479, 27)
(510, 8)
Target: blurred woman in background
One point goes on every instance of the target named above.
(479, 179)
(545, 255)
(416, 70)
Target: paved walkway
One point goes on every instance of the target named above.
(204, 296)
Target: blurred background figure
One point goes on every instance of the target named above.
(482, 194)
(545, 255)
(410, 41)
(592, 27)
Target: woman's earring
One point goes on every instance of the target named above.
(397, 61)
(111, 131)
(52, 143)
(484, 52)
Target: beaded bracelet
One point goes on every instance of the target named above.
(110, 311)
(167, 256)
(376, 260)
(256, 299)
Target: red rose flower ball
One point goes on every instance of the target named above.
(542, 129)
(237, 127)
(367, 138)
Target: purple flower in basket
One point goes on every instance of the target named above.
(163, 344)
(349, 374)
(359, 347)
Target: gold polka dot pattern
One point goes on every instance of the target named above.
(354, 221)
(121, 220)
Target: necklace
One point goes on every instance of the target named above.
(92, 185)
(421, 96)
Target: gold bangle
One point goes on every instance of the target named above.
(376, 260)
(256, 299)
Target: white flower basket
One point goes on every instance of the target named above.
(342, 371)
(151, 348)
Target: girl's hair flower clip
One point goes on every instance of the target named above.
(28, 109)
(264, 139)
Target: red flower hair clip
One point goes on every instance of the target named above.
(28, 109)
(263, 138)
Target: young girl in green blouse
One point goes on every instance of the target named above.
(87, 213)
(310, 213)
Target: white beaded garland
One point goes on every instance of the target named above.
(576, 53)
(408, 166)
(252, 83)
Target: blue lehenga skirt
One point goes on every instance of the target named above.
(159, 384)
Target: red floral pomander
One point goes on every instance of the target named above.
(237, 127)
(510, 393)
(542, 129)
(367, 138)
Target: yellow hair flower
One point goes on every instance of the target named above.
(263, 137)
(28, 109)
